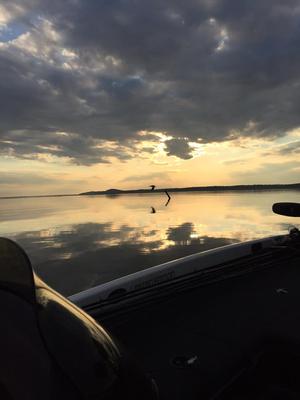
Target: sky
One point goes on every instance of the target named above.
(125, 93)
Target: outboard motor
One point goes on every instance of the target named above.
(52, 350)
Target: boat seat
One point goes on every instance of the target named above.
(52, 350)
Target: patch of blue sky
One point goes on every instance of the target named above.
(123, 85)
(12, 31)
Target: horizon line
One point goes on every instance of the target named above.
(132, 191)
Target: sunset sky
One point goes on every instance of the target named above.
(127, 93)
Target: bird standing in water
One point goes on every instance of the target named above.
(169, 197)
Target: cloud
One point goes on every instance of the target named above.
(22, 183)
(179, 147)
(79, 150)
(103, 71)
(235, 161)
(286, 172)
(10, 178)
(146, 177)
(292, 148)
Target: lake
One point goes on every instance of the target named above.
(78, 242)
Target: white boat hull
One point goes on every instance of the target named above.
(173, 270)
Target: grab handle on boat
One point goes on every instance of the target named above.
(287, 209)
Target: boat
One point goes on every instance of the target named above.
(221, 324)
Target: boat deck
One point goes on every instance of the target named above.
(225, 329)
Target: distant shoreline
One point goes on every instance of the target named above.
(37, 196)
(116, 192)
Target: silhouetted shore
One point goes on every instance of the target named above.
(115, 192)
(293, 186)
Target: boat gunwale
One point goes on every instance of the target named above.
(177, 270)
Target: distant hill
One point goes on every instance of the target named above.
(291, 186)
(113, 191)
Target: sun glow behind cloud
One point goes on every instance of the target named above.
(219, 163)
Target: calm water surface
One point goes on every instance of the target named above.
(78, 242)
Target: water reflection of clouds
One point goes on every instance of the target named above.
(79, 242)
(89, 254)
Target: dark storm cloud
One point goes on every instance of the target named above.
(195, 69)
(178, 147)
(81, 150)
